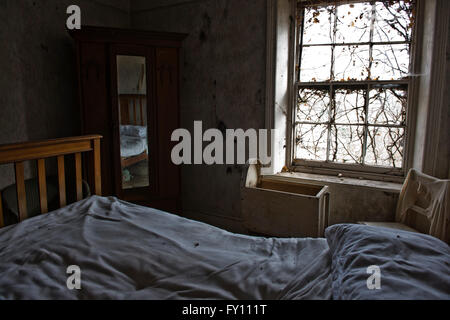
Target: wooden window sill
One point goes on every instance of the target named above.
(319, 179)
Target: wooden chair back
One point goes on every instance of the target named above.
(423, 204)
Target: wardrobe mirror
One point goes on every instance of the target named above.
(132, 94)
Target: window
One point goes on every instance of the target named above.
(352, 84)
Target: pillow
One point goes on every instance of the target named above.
(133, 131)
(411, 265)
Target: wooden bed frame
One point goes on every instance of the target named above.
(17, 153)
(133, 102)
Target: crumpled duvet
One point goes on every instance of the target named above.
(126, 251)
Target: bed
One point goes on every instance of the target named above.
(133, 144)
(127, 251)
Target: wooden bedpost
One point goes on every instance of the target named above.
(21, 194)
(42, 186)
(97, 168)
(78, 176)
(61, 181)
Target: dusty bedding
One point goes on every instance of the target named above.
(133, 140)
(126, 251)
(132, 146)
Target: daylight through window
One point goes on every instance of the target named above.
(352, 82)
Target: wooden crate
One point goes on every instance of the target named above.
(283, 209)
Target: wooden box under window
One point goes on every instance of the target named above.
(283, 209)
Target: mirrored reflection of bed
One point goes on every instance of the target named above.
(127, 251)
(133, 140)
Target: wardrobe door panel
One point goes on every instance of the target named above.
(95, 101)
(168, 119)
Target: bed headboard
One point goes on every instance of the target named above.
(132, 109)
(17, 153)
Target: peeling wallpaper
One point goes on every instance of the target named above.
(38, 88)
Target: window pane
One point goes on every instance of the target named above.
(387, 106)
(351, 63)
(393, 21)
(318, 25)
(390, 62)
(353, 23)
(385, 147)
(316, 64)
(311, 142)
(312, 105)
(346, 144)
(350, 106)
(341, 43)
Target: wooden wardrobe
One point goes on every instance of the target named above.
(129, 93)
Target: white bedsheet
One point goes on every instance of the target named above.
(132, 146)
(127, 251)
(133, 131)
